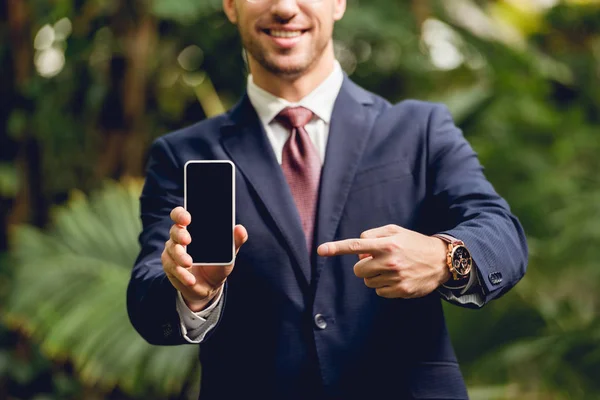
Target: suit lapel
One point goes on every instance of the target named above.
(351, 124)
(244, 139)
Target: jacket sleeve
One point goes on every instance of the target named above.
(466, 206)
(151, 298)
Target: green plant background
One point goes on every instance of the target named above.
(521, 78)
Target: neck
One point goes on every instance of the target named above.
(293, 88)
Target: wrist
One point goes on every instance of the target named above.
(458, 261)
(197, 305)
(438, 260)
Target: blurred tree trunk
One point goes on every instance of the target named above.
(421, 10)
(6, 152)
(123, 122)
(29, 203)
(142, 41)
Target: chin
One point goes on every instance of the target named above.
(288, 70)
(286, 67)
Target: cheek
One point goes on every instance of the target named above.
(248, 20)
(327, 30)
(246, 29)
(324, 27)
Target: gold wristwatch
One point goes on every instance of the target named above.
(458, 257)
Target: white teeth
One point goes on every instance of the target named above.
(285, 34)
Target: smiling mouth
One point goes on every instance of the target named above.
(283, 34)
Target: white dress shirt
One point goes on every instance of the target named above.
(320, 101)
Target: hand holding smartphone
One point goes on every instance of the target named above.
(209, 196)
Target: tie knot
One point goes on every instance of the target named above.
(294, 117)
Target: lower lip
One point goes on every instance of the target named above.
(286, 42)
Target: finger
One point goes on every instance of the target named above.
(240, 235)
(180, 235)
(174, 271)
(180, 216)
(184, 276)
(180, 277)
(380, 281)
(178, 254)
(363, 256)
(351, 246)
(383, 231)
(368, 268)
(387, 291)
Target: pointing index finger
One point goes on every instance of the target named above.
(350, 246)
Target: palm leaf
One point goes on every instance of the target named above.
(69, 290)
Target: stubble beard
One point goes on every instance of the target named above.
(258, 52)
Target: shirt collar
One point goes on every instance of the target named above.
(320, 101)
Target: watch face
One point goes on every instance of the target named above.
(461, 260)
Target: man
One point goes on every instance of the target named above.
(337, 284)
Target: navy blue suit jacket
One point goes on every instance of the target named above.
(404, 164)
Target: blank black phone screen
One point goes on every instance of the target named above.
(209, 199)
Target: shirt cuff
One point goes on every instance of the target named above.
(473, 280)
(195, 325)
(471, 294)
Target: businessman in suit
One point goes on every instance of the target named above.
(355, 218)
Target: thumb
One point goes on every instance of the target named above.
(240, 236)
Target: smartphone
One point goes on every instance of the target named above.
(209, 196)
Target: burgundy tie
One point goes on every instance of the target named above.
(301, 166)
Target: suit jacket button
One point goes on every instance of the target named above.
(495, 278)
(320, 322)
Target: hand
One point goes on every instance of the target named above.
(396, 262)
(198, 284)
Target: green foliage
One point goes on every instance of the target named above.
(8, 180)
(184, 11)
(68, 293)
